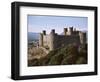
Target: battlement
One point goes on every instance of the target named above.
(53, 40)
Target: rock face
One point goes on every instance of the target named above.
(54, 41)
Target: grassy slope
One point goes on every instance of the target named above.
(68, 55)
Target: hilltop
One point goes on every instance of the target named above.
(71, 54)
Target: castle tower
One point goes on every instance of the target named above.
(74, 30)
(44, 32)
(41, 39)
(82, 37)
(70, 30)
(65, 31)
(52, 37)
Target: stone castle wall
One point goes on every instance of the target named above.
(61, 41)
(46, 40)
(54, 41)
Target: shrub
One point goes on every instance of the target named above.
(70, 54)
(33, 62)
(81, 60)
(56, 59)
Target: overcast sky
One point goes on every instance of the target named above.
(38, 23)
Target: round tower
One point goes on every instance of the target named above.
(44, 32)
(52, 37)
(70, 30)
(65, 31)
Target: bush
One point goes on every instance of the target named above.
(56, 59)
(33, 62)
(81, 60)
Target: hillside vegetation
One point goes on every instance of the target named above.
(68, 55)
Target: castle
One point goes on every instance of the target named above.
(69, 36)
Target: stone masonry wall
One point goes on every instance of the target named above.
(54, 41)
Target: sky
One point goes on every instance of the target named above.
(38, 23)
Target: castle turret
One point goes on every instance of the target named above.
(44, 32)
(65, 31)
(70, 30)
(74, 30)
(41, 39)
(82, 37)
(52, 37)
(53, 31)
